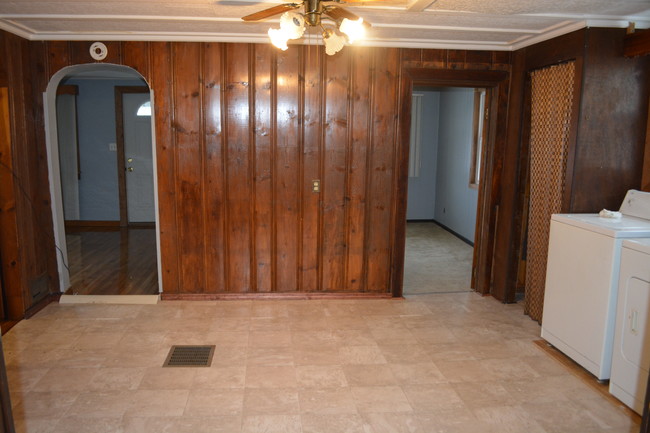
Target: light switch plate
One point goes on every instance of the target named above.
(112, 147)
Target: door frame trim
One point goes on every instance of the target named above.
(54, 173)
(121, 153)
(487, 212)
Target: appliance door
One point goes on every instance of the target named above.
(579, 304)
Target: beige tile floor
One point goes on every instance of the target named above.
(429, 363)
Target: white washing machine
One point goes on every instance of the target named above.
(582, 277)
(631, 355)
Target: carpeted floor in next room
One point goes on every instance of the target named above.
(435, 261)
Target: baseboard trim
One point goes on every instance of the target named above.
(587, 378)
(110, 299)
(84, 223)
(272, 296)
(47, 300)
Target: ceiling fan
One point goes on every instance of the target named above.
(348, 26)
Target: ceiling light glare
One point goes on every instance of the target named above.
(292, 24)
(278, 38)
(333, 42)
(353, 29)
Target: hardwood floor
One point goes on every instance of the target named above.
(112, 262)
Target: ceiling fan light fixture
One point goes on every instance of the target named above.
(333, 42)
(353, 29)
(278, 38)
(292, 24)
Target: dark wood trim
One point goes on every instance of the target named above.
(119, 136)
(85, 223)
(31, 311)
(637, 44)
(67, 89)
(567, 196)
(9, 251)
(645, 421)
(586, 378)
(645, 174)
(7, 421)
(273, 296)
(6, 325)
(496, 83)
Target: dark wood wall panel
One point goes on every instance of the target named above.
(242, 131)
(334, 169)
(312, 141)
(214, 168)
(189, 143)
(27, 243)
(287, 161)
(359, 116)
(382, 167)
(238, 166)
(264, 100)
(612, 125)
(165, 150)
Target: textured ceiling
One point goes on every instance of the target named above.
(462, 24)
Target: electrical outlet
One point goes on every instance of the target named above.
(315, 185)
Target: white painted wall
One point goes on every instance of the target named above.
(455, 201)
(422, 189)
(66, 117)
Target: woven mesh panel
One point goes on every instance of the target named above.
(551, 103)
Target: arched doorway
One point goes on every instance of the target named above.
(101, 198)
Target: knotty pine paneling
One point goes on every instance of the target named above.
(242, 130)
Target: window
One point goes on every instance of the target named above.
(478, 138)
(145, 109)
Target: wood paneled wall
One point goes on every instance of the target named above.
(27, 244)
(608, 127)
(242, 130)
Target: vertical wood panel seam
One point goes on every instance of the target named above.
(224, 168)
(396, 173)
(366, 216)
(348, 161)
(302, 70)
(322, 99)
(272, 165)
(202, 155)
(172, 119)
(252, 166)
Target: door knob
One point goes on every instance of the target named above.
(129, 160)
(130, 168)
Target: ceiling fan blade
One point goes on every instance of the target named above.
(337, 13)
(275, 10)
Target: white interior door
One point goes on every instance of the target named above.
(138, 159)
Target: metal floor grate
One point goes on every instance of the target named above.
(189, 356)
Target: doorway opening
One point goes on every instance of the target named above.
(448, 126)
(103, 183)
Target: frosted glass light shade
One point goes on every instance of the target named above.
(333, 42)
(278, 38)
(292, 24)
(353, 29)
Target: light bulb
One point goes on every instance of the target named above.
(333, 42)
(353, 29)
(278, 38)
(292, 24)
